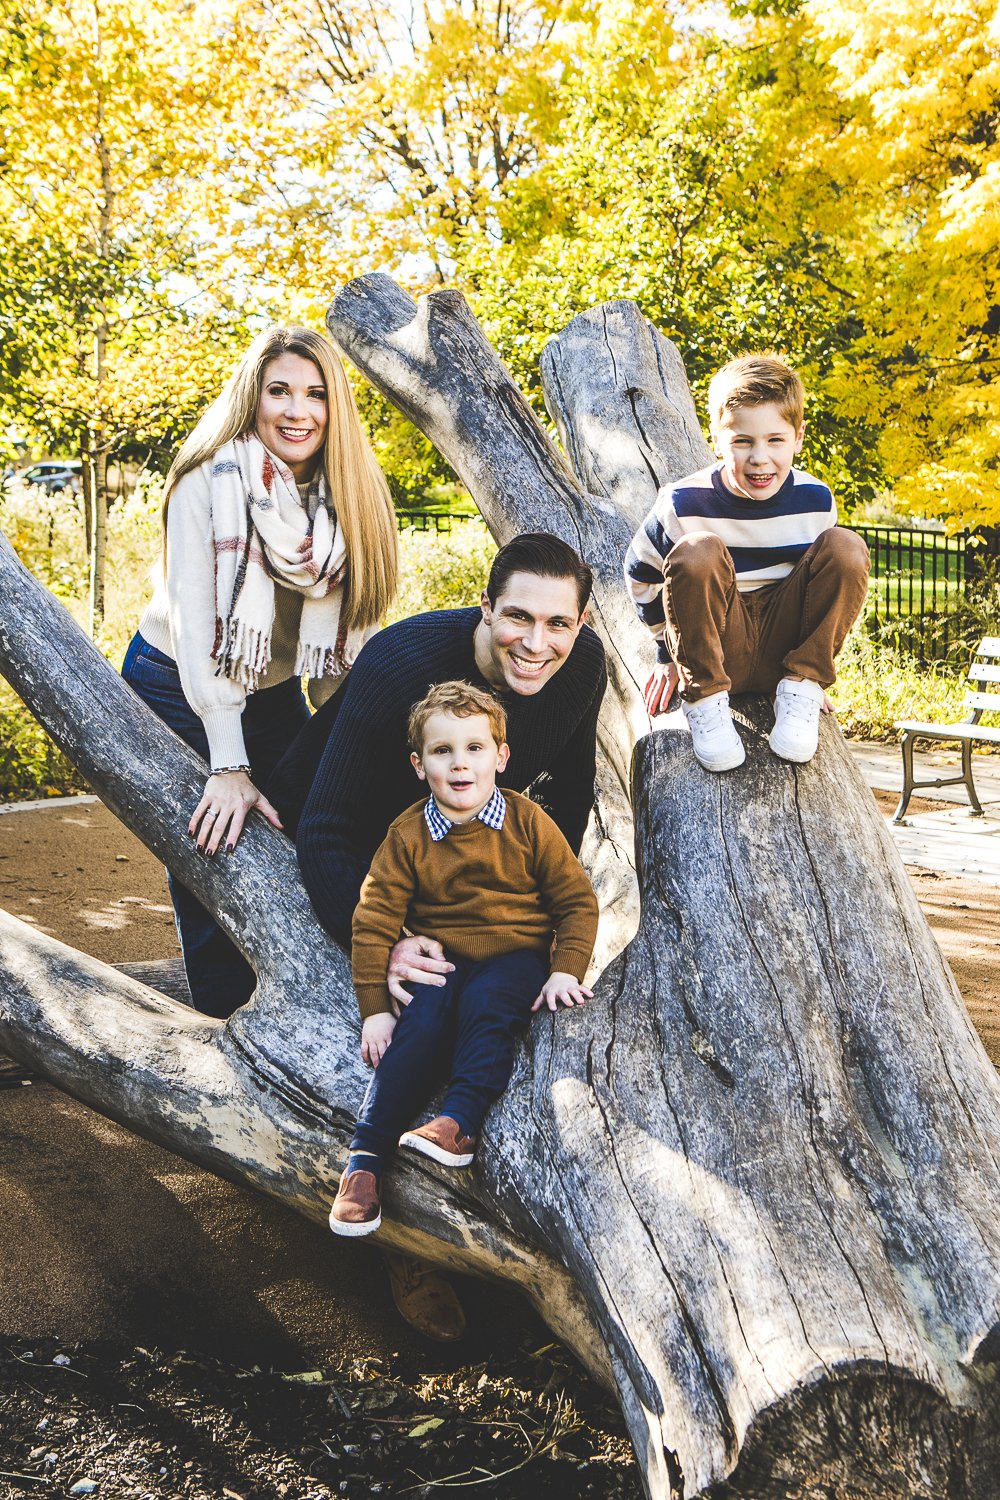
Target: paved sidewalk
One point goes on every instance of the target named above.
(949, 840)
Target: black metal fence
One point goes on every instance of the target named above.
(437, 521)
(918, 577)
(918, 585)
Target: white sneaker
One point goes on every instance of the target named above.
(716, 744)
(796, 720)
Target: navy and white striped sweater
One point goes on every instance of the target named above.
(765, 538)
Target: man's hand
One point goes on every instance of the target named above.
(562, 989)
(415, 960)
(376, 1034)
(827, 707)
(660, 688)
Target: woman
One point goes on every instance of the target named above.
(280, 557)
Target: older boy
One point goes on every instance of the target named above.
(742, 574)
(489, 875)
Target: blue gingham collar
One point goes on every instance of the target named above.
(439, 826)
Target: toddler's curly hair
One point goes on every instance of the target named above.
(458, 698)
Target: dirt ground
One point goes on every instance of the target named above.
(964, 916)
(165, 1333)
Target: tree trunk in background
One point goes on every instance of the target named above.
(97, 466)
(754, 1182)
(86, 499)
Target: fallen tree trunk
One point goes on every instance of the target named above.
(754, 1182)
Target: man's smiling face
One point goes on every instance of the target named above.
(524, 638)
(757, 445)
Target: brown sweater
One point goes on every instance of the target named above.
(480, 891)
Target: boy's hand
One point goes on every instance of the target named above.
(376, 1034)
(562, 989)
(415, 960)
(660, 688)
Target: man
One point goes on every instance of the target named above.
(527, 641)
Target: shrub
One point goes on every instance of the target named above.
(443, 571)
(30, 764)
(877, 686)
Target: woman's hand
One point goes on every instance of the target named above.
(228, 798)
(660, 688)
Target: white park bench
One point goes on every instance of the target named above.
(985, 668)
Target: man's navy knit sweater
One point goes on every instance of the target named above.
(353, 756)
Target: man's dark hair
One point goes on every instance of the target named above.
(548, 556)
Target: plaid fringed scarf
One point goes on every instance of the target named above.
(263, 533)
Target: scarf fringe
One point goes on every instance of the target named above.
(321, 661)
(243, 654)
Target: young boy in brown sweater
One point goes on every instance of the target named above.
(490, 876)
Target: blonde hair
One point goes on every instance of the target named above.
(753, 380)
(355, 484)
(463, 701)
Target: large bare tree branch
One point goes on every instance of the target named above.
(754, 1182)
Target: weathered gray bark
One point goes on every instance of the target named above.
(754, 1181)
(618, 393)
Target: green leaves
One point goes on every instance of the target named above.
(819, 177)
(423, 1428)
(106, 205)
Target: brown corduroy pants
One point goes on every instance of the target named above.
(725, 641)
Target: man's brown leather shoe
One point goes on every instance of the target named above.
(356, 1208)
(442, 1140)
(424, 1299)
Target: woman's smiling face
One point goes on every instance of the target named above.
(292, 413)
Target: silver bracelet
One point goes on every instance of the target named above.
(225, 770)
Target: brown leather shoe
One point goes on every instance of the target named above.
(424, 1298)
(356, 1208)
(442, 1140)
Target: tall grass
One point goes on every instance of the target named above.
(47, 532)
(878, 686)
(443, 572)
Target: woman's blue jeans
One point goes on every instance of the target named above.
(219, 976)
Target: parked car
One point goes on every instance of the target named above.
(53, 474)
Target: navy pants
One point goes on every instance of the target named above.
(461, 1033)
(219, 976)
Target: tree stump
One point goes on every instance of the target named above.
(754, 1182)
